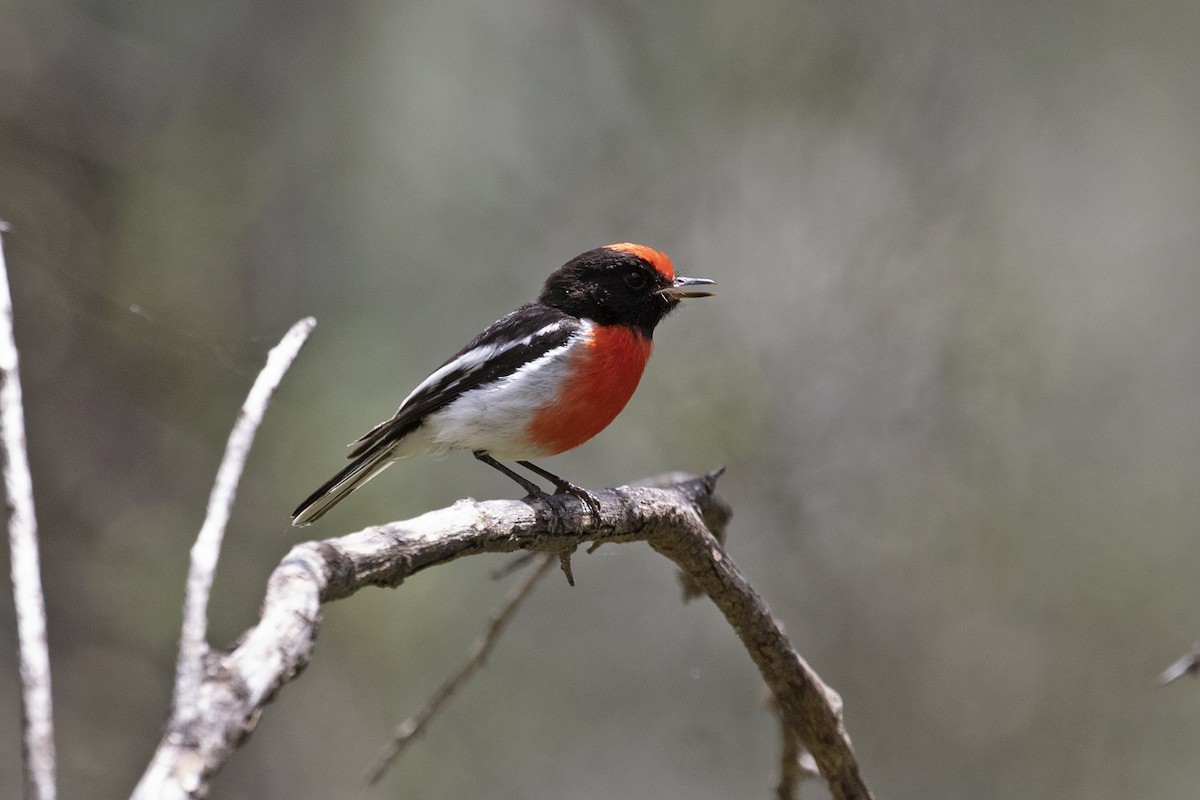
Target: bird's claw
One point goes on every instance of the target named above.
(566, 487)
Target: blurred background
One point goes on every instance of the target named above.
(953, 370)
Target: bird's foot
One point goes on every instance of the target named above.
(589, 499)
(564, 486)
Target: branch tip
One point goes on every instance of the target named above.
(564, 563)
(710, 480)
(1188, 665)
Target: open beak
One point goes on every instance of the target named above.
(678, 290)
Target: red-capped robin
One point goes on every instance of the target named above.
(541, 380)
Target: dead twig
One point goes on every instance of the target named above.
(406, 731)
(1189, 664)
(194, 655)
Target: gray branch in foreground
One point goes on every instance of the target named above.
(187, 703)
(193, 643)
(675, 520)
(33, 654)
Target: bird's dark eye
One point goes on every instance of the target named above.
(636, 279)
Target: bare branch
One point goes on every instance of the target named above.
(193, 645)
(807, 705)
(195, 658)
(37, 710)
(238, 684)
(407, 731)
(1189, 664)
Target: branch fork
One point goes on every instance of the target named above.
(670, 518)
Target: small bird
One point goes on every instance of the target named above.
(539, 381)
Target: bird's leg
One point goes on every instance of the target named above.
(563, 486)
(564, 558)
(528, 485)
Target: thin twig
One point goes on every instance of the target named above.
(193, 645)
(789, 764)
(406, 731)
(795, 763)
(37, 709)
(1189, 664)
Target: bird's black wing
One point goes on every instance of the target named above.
(512, 341)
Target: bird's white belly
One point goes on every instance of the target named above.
(496, 417)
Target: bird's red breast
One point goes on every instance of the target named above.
(602, 375)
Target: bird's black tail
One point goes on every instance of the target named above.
(362, 469)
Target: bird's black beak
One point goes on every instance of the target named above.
(678, 290)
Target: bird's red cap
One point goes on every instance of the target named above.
(660, 261)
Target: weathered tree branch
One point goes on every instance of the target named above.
(807, 705)
(238, 684)
(193, 643)
(195, 657)
(34, 655)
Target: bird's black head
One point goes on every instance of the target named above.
(619, 284)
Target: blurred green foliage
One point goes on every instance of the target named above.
(954, 369)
